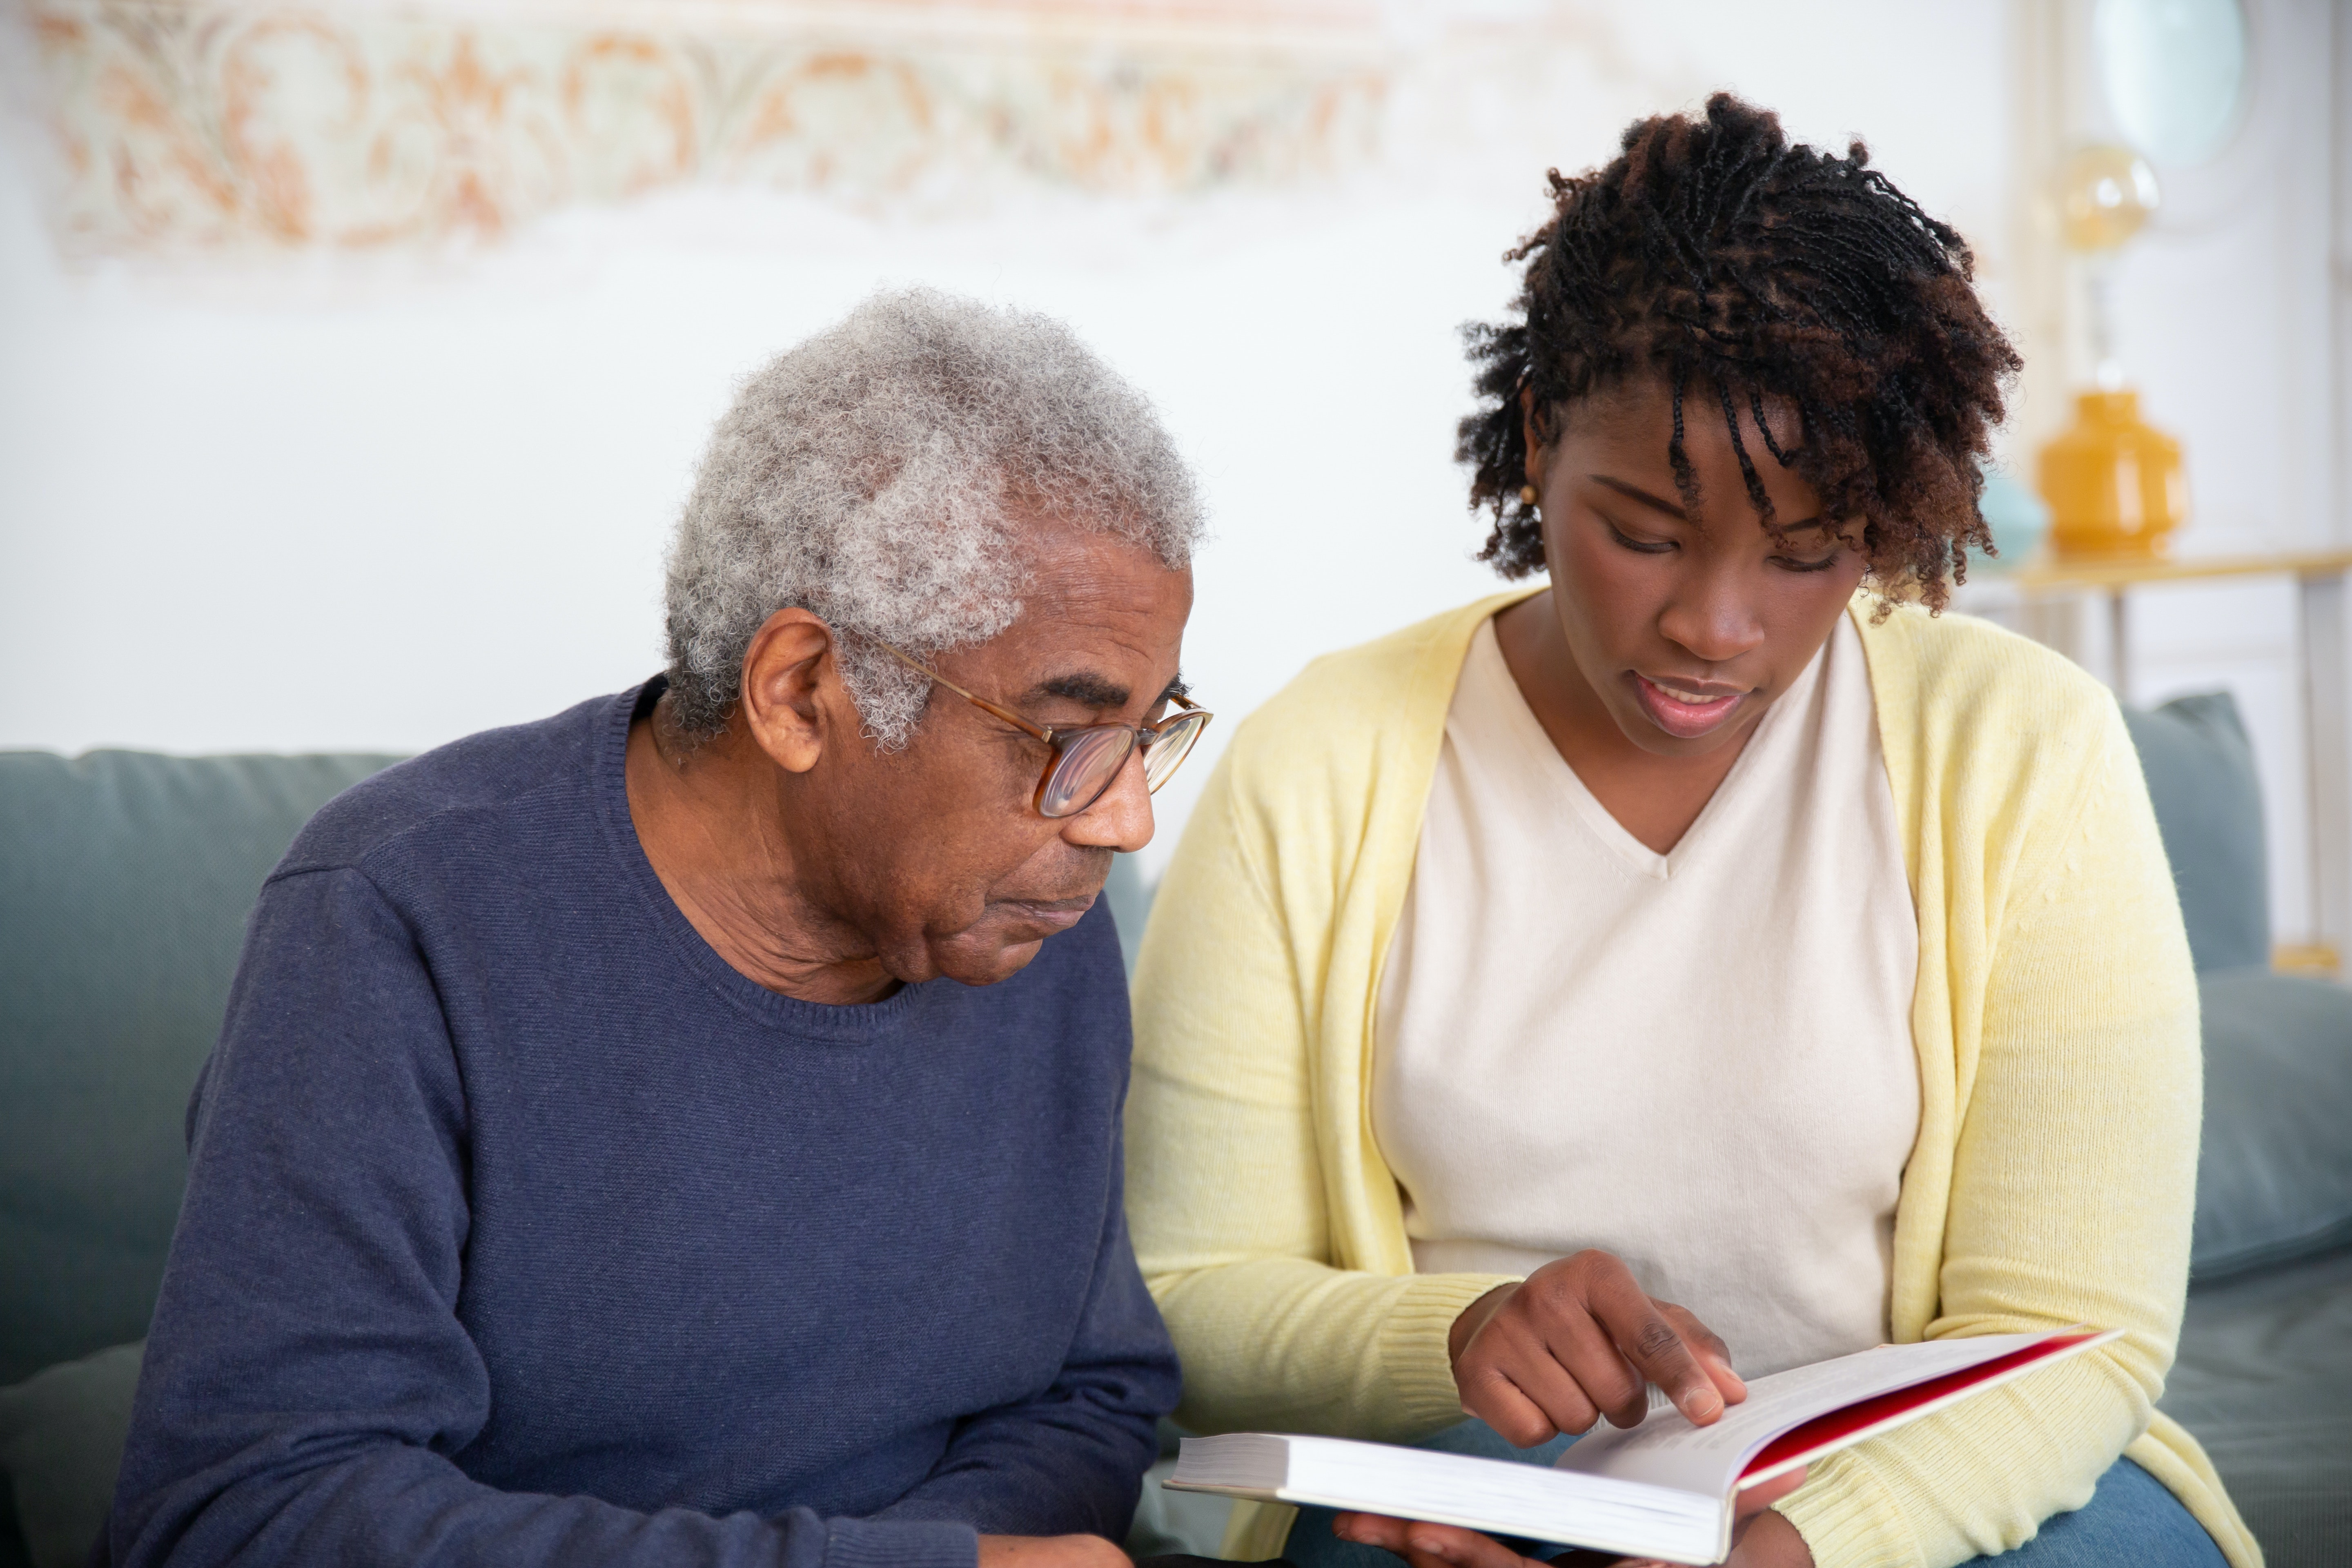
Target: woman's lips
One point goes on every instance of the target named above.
(1686, 712)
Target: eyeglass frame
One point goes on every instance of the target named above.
(1057, 737)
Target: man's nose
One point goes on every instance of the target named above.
(1121, 818)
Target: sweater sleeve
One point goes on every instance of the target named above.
(1226, 1186)
(307, 1377)
(1070, 1460)
(2073, 1189)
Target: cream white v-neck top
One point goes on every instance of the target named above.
(1700, 1061)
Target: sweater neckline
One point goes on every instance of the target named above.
(849, 1023)
(1768, 750)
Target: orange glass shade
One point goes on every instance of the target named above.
(2115, 484)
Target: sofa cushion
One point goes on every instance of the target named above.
(125, 880)
(2275, 1168)
(2264, 1382)
(2209, 807)
(61, 1435)
(13, 1553)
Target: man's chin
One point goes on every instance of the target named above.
(971, 960)
(1001, 943)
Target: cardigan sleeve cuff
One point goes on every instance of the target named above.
(899, 1544)
(1848, 1520)
(1412, 1344)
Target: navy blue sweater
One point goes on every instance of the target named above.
(521, 1229)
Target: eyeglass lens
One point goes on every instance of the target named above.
(1085, 770)
(1090, 763)
(1164, 749)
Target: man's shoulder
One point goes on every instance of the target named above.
(398, 811)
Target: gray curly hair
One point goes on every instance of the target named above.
(866, 476)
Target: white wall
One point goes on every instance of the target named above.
(2223, 308)
(380, 503)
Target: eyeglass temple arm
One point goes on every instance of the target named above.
(982, 703)
(978, 701)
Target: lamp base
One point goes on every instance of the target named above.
(2115, 483)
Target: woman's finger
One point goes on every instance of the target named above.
(1372, 1529)
(1547, 1386)
(1459, 1548)
(1764, 1494)
(1651, 1342)
(1536, 1369)
(1713, 1353)
(1426, 1545)
(1368, 1529)
(1489, 1382)
(1579, 1342)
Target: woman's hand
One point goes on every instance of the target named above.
(1050, 1551)
(1577, 1340)
(1760, 1539)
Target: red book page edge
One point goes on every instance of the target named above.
(1867, 1417)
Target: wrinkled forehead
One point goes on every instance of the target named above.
(1101, 620)
(1087, 567)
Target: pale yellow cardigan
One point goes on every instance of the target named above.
(2056, 1023)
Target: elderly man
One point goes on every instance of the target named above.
(686, 1130)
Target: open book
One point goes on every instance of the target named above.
(1663, 1488)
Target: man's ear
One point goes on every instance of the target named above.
(787, 673)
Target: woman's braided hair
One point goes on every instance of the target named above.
(1721, 256)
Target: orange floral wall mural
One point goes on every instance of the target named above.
(209, 125)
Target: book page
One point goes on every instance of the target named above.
(1665, 1449)
(1505, 1499)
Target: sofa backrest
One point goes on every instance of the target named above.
(125, 880)
(2209, 806)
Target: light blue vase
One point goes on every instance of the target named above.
(2019, 519)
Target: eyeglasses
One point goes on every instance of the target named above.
(1087, 757)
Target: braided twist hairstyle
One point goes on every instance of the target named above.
(1723, 257)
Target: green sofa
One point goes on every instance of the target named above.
(125, 879)
(124, 882)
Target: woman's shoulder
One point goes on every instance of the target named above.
(1971, 703)
(1358, 700)
(1956, 667)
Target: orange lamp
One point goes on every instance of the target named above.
(2113, 482)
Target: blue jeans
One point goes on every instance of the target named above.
(2130, 1519)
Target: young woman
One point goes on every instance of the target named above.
(1717, 941)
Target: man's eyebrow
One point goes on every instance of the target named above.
(1085, 689)
(1091, 690)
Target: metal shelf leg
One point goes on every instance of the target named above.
(2327, 743)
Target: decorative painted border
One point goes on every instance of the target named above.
(211, 125)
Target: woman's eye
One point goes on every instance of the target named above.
(1789, 563)
(1646, 546)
